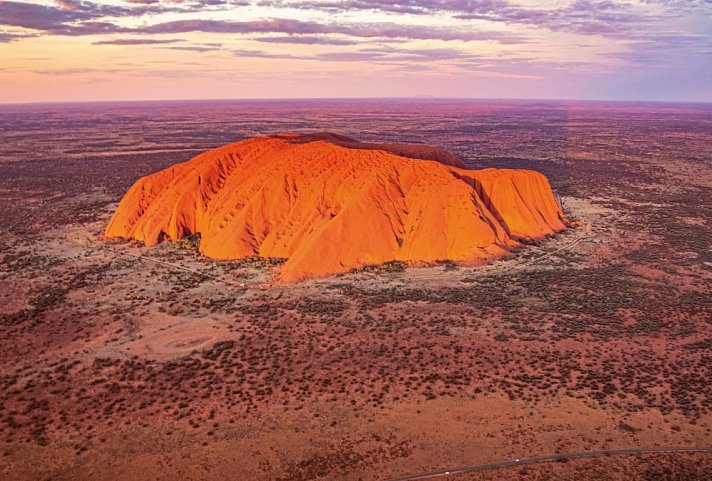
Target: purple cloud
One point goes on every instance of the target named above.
(634, 24)
(38, 17)
(385, 55)
(244, 53)
(76, 18)
(297, 27)
(135, 41)
(348, 56)
(589, 17)
(416, 7)
(194, 48)
(227, 26)
(70, 17)
(70, 71)
(307, 40)
(7, 37)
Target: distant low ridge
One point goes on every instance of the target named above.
(329, 204)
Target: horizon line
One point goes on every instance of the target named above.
(410, 98)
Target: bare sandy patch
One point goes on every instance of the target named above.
(163, 337)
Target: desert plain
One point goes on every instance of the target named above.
(121, 361)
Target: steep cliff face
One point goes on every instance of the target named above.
(328, 204)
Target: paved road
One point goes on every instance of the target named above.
(548, 458)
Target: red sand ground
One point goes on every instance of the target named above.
(114, 367)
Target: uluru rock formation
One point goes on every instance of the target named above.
(328, 204)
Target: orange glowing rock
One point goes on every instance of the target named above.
(329, 204)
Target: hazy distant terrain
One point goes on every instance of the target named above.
(116, 367)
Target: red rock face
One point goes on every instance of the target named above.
(329, 204)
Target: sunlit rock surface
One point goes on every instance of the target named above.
(329, 204)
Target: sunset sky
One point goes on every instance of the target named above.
(171, 49)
